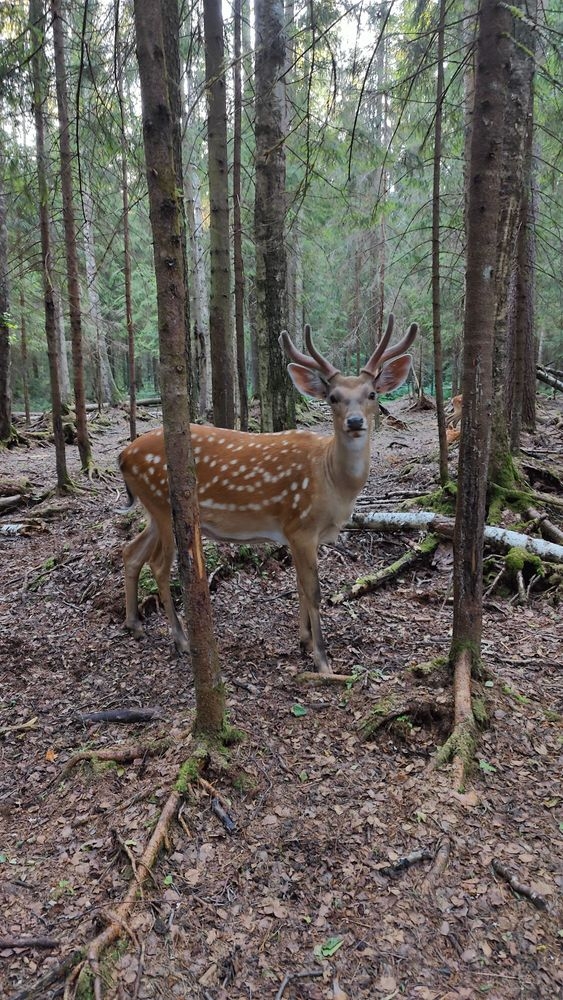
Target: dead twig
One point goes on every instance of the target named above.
(21, 726)
(518, 887)
(414, 858)
(39, 990)
(290, 976)
(40, 943)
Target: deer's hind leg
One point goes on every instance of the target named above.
(161, 565)
(135, 554)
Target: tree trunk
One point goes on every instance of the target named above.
(491, 88)
(23, 348)
(39, 76)
(157, 32)
(237, 221)
(70, 239)
(107, 391)
(436, 303)
(513, 187)
(220, 320)
(6, 429)
(276, 396)
(199, 292)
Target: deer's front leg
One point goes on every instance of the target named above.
(310, 633)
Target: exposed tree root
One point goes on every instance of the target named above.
(400, 713)
(439, 866)
(118, 755)
(118, 920)
(39, 990)
(459, 748)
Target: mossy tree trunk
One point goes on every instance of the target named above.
(157, 32)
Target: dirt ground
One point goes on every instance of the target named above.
(309, 898)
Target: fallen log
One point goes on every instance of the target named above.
(501, 538)
(545, 376)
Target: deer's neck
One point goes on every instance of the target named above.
(348, 460)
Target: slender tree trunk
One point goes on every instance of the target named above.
(127, 289)
(39, 75)
(436, 303)
(6, 429)
(157, 31)
(237, 221)
(199, 291)
(220, 318)
(62, 356)
(107, 389)
(23, 348)
(515, 130)
(491, 89)
(276, 397)
(84, 448)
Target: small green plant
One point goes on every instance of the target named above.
(485, 767)
(63, 888)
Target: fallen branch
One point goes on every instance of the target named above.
(318, 680)
(541, 522)
(121, 715)
(519, 887)
(46, 944)
(414, 858)
(290, 976)
(366, 584)
(500, 538)
(21, 726)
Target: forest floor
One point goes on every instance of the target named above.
(308, 898)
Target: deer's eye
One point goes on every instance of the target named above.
(372, 395)
(333, 398)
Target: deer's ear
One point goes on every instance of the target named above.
(393, 374)
(307, 382)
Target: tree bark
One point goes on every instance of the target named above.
(38, 71)
(491, 88)
(220, 320)
(84, 448)
(157, 33)
(237, 221)
(6, 429)
(276, 396)
(512, 218)
(107, 391)
(436, 303)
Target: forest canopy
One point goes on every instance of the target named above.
(360, 105)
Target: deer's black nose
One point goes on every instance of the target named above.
(355, 423)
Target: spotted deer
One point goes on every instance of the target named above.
(294, 487)
(457, 404)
